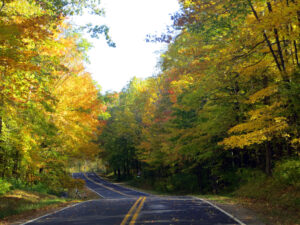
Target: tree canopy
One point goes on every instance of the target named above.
(227, 97)
(49, 104)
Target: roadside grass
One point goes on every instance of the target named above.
(22, 205)
(272, 202)
(223, 199)
(19, 201)
(267, 212)
(277, 202)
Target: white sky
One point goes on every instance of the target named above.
(129, 22)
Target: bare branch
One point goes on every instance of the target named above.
(3, 4)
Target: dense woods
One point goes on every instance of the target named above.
(49, 105)
(224, 109)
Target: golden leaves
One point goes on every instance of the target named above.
(260, 127)
(48, 104)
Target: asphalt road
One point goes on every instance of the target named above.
(123, 206)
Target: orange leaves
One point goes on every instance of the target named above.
(20, 55)
(49, 105)
(77, 112)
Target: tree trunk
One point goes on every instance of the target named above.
(15, 171)
(137, 167)
(0, 125)
(232, 159)
(296, 53)
(1, 155)
(119, 173)
(268, 159)
(124, 170)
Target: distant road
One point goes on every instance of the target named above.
(123, 206)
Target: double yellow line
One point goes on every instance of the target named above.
(134, 211)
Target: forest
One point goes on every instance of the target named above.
(225, 108)
(49, 104)
(224, 111)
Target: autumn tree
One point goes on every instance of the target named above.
(49, 105)
(226, 99)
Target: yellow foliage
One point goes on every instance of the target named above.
(261, 94)
(295, 142)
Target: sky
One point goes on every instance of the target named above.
(129, 21)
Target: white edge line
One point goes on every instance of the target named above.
(222, 210)
(123, 186)
(48, 214)
(90, 188)
(106, 187)
(95, 192)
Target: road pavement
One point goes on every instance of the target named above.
(124, 206)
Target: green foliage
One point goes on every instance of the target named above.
(40, 187)
(183, 182)
(288, 172)
(18, 184)
(47, 185)
(20, 201)
(121, 135)
(279, 200)
(57, 180)
(48, 103)
(162, 185)
(224, 108)
(4, 186)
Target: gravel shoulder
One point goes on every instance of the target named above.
(245, 215)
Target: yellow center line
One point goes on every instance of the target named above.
(105, 186)
(138, 203)
(133, 220)
(130, 211)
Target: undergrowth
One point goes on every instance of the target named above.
(18, 201)
(276, 197)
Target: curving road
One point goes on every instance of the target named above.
(123, 206)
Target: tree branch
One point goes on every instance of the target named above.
(254, 64)
(3, 4)
(266, 38)
(249, 52)
(277, 40)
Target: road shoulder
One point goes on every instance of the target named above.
(28, 215)
(238, 211)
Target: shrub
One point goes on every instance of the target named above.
(246, 175)
(39, 187)
(182, 182)
(288, 172)
(253, 184)
(161, 185)
(23, 185)
(4, 186)
(18, 184)
(71, 183)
